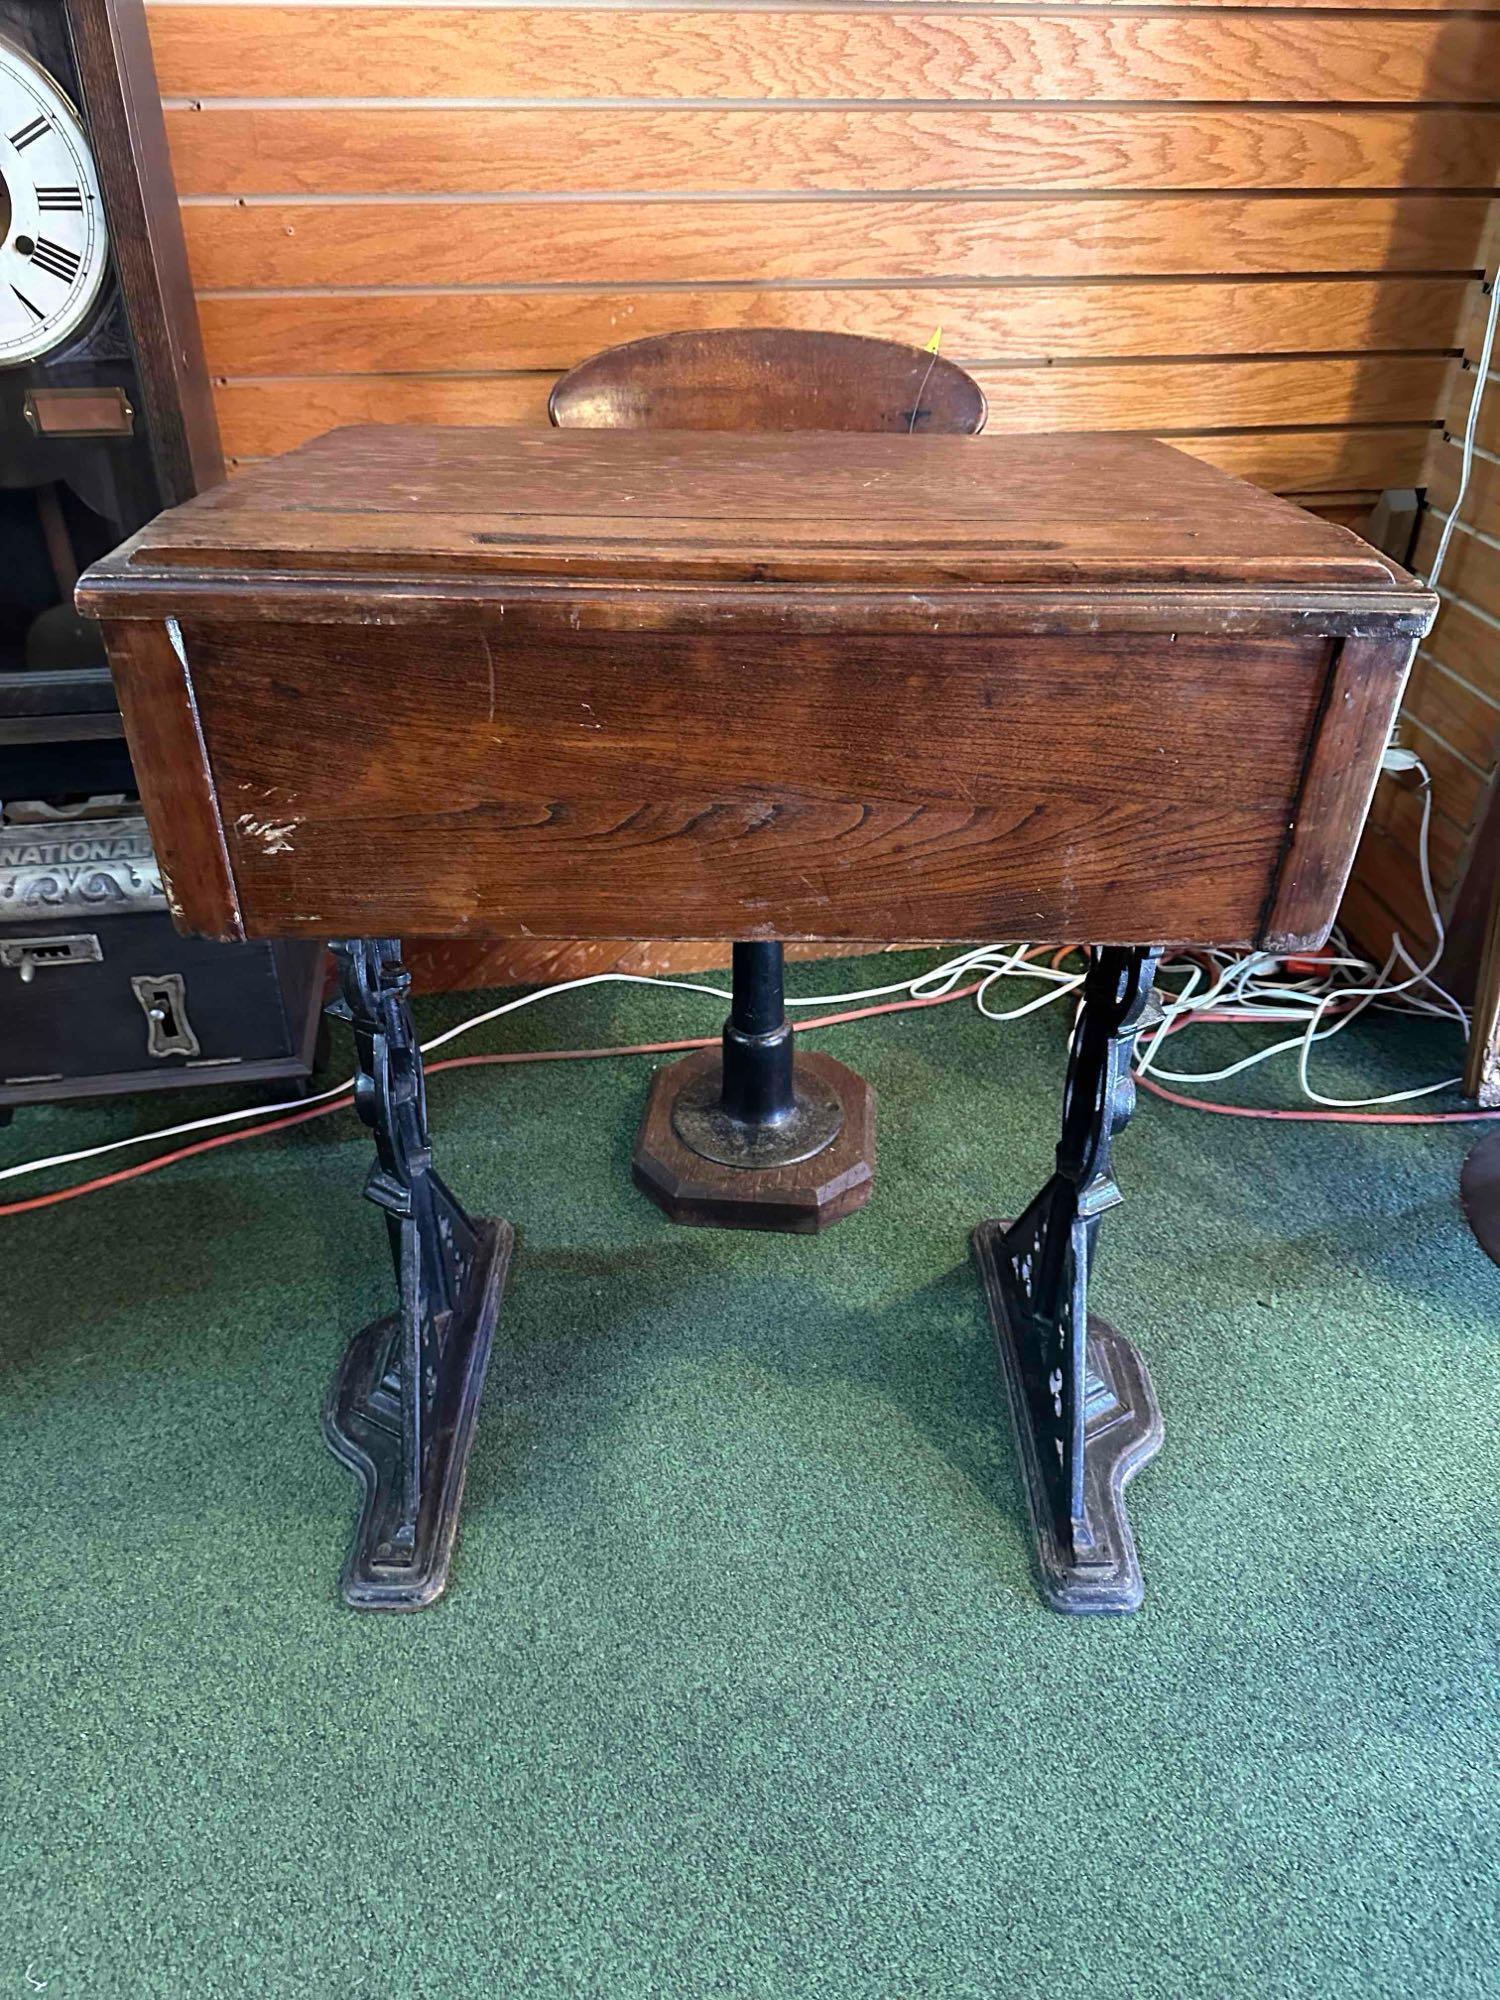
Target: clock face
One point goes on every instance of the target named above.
(53, 250)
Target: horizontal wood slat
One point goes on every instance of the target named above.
(401, 333)
(1397, 811)
(1459, 790)
(1468, 723)
(469, 150)
(1385, 898)
(1487, 434)
(1355, 7)
(1368, 923)
(1471, 570)
(259, 418)
(1470, 646)
(457, 52)
(1460, 394)
(1314, 461)
(1481, 504)
(1479, 302)
(770, 242)
(1345, 511)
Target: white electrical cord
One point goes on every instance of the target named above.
(1471, 429)
(997, 960)
(1245, 983)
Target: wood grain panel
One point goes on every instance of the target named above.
(1459, 790)
(1397, 811)
(1460, 394)
(1471, 569)
(1366, 920)
(885, 240)
(261, 418)
(1305, 463)
(1479, 300)
(576, 807)
(166, 746)
(1487, 434)
(1470, 645)
(402, 333)
(1314, 461)
(456, 52)
(471, 150)
(1481, 508)
(1345, 510)
(1385, 900)
(1467, 722)
(1364, 688)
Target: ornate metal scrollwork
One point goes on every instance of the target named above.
(1082, 1402)
(402, 1408)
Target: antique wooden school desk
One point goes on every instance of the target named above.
(463, 683)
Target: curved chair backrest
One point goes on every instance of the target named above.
(767, 379)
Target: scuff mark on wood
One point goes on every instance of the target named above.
(275, 836)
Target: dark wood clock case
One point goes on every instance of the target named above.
(98, 993)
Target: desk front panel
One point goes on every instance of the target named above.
(532, 780)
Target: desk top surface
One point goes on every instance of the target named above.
(1004, 513)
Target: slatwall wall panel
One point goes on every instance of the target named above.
(1254, 230)
(1451, 714)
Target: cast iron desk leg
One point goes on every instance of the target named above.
(401, 1409)
(1084, 1411)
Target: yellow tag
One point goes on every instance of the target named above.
(935, 343)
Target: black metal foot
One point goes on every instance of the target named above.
(1081, 1400)
(402, 1407)
(1122, 1429)
(387, 1569)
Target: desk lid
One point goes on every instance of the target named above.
(1098, 513)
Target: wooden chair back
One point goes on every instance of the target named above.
(768, 379)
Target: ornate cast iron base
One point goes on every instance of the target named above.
(402, 1407)
(1122, 1429)
(1081, 1400)
(387, 1571)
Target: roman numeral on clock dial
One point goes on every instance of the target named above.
(54, 234)
(54, 258)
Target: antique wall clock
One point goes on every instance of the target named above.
(56, 253)
(106, 417)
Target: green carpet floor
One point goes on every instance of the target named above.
(742, 1687)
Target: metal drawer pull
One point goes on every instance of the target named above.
(24, 955)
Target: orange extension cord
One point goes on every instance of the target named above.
(343, 1103)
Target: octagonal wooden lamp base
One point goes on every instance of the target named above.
(801, 1196)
